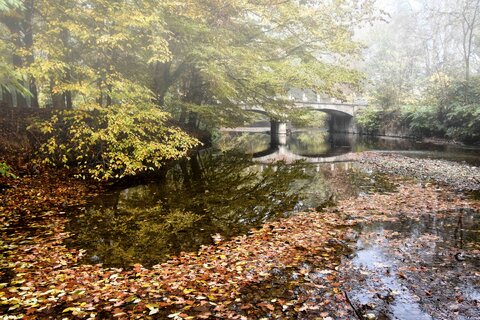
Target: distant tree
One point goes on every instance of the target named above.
(470, 16)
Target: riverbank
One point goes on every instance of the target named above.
(460, 176)
(297, 267)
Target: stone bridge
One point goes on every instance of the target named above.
(341, 114)
(349, 109)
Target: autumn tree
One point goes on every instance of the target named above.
(11, 81)
(469, 15)
(200, 61)
(226, 54)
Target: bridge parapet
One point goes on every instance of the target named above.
(350, 109)
(310, 95)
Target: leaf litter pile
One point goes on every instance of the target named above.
(304, 266)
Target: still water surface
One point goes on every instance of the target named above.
(232, 187)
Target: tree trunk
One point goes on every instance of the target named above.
(161, 81)
(7, 99)
(19, 99)
(68, 100)
(183, 115)
(65, 35)
(58, 99)
(100, 96)
(15, 23)
(192, 120)
(28, 29)
(109, 96)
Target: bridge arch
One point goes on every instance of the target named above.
(342, 115)
(337, 148)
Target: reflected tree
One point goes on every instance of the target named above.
(199, 197)
(249, 143)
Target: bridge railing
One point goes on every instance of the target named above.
(312, 98)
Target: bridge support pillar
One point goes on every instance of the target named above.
(278, 133)
(342, 124)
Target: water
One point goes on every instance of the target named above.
(311, 144)
(397, 262)
(230, 188)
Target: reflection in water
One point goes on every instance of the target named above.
(316, 143)
(199, 197)
(218, 191)
(320, 143)
(305, 143)
(428, 243)
(210, 193)
(243, 142)
(452, 229)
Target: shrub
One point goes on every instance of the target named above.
(421, 120)
(459, 110)
(463, 123)
(6, 171)
(130, 136)
(370, 119)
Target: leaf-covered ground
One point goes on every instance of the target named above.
(42, 278)
(290, 268)
(417, 254)
(417, 250)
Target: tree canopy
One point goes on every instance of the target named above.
(195, 62)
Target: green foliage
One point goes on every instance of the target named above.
(124, 139)
(421, 120)
(6, 171)
(463, 123)
(370, 119)
(10, 79)
(9, 4)
(459, 110)
(387, 96)
(308, 118)
(453, 111)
